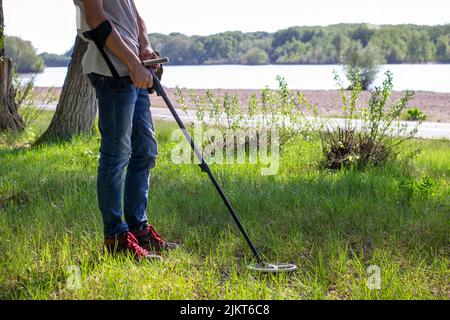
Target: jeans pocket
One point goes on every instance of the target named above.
(121, 87)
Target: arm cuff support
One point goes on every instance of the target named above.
(99, 36)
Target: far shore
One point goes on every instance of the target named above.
(435, 105)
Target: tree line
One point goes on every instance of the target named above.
(334, 44)
(26, 59)
(310, 45)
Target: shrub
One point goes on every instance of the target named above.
(367, 136)
(280, 110)
(362, 64)
(424, 188)
(415, 114)
(31, 102)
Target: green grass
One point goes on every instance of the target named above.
(333, 225)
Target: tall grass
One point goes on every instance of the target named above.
(334, 225)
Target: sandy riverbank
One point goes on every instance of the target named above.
(435, 105)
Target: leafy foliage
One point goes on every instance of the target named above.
(256, 56)
(1, 39)
(362, 64)
(311, 45)
(55, 60)
(28, 61)
(30, 101)
(415, 114)
(23, 54)
(422, 188)
(280, 110)
(295, 45)
(367, 136)
(224, 48)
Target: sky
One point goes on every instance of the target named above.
(51, 24)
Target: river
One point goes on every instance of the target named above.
(426, 77)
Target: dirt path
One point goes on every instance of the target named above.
(435, 105)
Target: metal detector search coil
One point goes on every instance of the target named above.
(272, 268)
(261, 266)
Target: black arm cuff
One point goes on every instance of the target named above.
(100, 34)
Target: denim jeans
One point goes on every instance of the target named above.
(127, 154)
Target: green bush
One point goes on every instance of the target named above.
(367, 136)
(423, 188)
(280, 110)
(415, 114)
(362, 64)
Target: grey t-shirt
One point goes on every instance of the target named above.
(123, 15)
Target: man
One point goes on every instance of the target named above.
(128, 141)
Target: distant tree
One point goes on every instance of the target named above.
(281, 40)
(421, 48)
(443, 48)
(219, 49)
(24, 55)
(362, 34)
(340, 42)
(55, 60)
(10, 119)
(309, 45)
(362, 64)
(256, 56)
(77, 107)
(393, 43)
(292, 52)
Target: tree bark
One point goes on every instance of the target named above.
(2, 35)
(77, 106)
(10, 119)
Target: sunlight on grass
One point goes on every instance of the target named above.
(333, 225)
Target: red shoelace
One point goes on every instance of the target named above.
(133, 244)
(155, 235)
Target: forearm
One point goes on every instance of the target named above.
(119, 48)
(144, 42)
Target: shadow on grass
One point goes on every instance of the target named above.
(290, 219)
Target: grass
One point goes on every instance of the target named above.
(333, 225)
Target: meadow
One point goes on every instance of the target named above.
(333, 225)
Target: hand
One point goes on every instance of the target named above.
(147, 53)
(141, 77)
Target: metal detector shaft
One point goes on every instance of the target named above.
(204, 166)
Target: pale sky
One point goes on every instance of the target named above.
(51, 26)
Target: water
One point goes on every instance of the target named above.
(429, 77)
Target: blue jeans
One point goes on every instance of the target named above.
(128, 143)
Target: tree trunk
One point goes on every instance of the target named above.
(2, 35)
(9, 115)
(77, 107)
